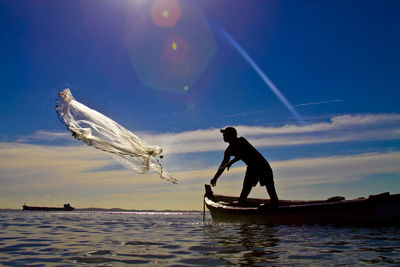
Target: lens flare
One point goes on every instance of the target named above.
(165, 13)
(176, 48)
(263, 76)
(191, 107)
(170, 58)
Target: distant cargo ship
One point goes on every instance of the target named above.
(67, 207)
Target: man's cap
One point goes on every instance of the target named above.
(229, 131)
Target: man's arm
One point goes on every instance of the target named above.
(229, 164)
(221, 169)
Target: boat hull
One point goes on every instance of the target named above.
(66, 207)
(384, 208)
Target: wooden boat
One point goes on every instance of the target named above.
(381, 208)
(67, 207)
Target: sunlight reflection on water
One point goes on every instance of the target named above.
(181, 238)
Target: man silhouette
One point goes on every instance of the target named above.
(258, 168)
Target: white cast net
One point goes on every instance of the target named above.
(101, 132)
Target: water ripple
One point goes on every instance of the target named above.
(171, 239)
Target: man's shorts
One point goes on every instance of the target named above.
(257, 174)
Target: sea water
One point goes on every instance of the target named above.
(101, 238)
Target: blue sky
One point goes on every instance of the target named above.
(337, 63)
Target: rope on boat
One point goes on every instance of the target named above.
(204, 210)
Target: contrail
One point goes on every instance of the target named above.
(263, 76)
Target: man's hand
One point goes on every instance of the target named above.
(213, 182)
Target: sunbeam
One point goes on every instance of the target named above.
(263, 76)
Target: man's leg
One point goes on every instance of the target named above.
(272, 193)
(245, 191)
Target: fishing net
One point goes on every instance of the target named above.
(101, 132)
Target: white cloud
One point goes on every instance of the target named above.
(319, 103)
(73, 171)
(337, 168)
(42, 135)
(343, 128)
(243, 114)
(77, 174)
